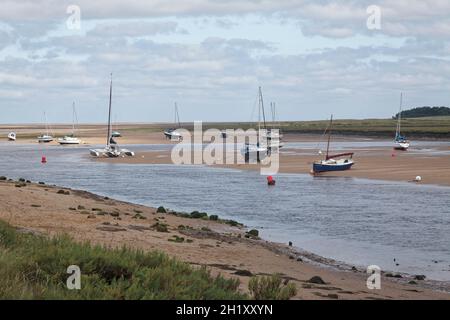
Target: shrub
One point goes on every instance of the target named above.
(198, 215)
(160, 227)
(214, 217)
(161, 210)
(254, 233)
(270, 288)
(34, 267)
(3, 178)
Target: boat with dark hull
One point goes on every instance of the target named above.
(337, 162)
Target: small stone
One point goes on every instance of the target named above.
(316, 280)
(290, 244)
(420, 277)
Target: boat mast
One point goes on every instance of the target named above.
(177, 116)
(109, 114)
(329, 136)
(399, 118)
(73, 119)
(46, 125)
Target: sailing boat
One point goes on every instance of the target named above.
(333, 162)
(172, 133)
(401, 143)
(273, 136)
(112, 149)
(70, 139)
(260, 148)
(45, 138)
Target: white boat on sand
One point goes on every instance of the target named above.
(71, 139)
(45, 138)
(12, 136)
(400, 142)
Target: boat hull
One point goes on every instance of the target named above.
(319, 167)
(403, 146)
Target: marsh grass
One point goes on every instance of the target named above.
(34, 267)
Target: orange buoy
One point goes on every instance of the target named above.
(44, 159)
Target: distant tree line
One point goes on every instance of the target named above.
(424, 112)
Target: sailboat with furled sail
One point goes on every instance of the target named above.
(112, 149)
(71, 139)
(337, 162)
(173, 133)
(401, 143)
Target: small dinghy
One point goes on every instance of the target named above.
(12, 136)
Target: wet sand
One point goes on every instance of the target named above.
(223, 249)
(378, 163)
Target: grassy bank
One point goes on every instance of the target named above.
(427, 127)
(34, 267)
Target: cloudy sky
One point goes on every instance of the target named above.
(312, 58)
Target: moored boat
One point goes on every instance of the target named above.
(112, 149)
(71, 139)
(12, 136)
(173, 133)
(45, 138)
(337, 162)
(400, 141)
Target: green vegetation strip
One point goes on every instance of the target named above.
(34, 267)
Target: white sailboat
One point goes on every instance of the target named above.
(261, 148)
(401, 143)
(45, 138)
(71, 139)
(12, 136)
(172, 133)
(112, 149)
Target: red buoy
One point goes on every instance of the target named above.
(270, 181)
(44, 159)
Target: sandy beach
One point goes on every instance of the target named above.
(220, 247)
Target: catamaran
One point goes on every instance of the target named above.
(12, 136)
(401, 143)
(112, 149)
(338, 162)
(172, 133)
(45, 138)
(71, 139)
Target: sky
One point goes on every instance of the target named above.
(349, 58)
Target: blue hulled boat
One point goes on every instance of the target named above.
(338, 162)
